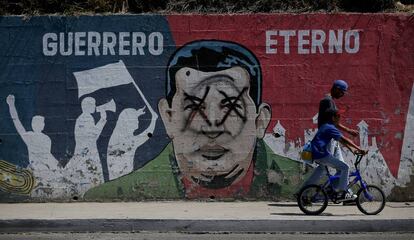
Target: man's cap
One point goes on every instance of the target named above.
(341, 84)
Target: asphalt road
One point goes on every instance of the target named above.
(184, 236)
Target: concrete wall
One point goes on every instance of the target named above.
(189, 106)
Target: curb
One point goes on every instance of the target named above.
(174, 225)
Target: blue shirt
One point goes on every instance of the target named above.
(323, 137)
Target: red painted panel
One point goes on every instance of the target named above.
(380, 74)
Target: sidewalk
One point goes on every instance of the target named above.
(185, 216)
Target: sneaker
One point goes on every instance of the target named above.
(346, 196)
(351, 196)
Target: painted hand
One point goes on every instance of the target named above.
(141, 111)
(10, 99)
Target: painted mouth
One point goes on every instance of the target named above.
(213, 152)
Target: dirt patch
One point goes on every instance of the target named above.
(77, 7)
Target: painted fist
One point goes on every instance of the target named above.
(10, 99)
(141, 111)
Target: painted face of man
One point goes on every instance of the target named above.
(88, 105)
(214, 124)
(38, 123)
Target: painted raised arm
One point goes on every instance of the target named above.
(154, 116)
(15, 117)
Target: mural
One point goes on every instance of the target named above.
(211, 110)
(195, 107)
(84, 169)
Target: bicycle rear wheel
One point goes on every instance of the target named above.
(370, 200)
(312, 200)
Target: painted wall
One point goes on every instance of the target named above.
(197, 106)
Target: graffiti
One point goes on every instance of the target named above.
(171, 107)
(209, 116)
(14, 179)
(196, 107)
(231, 105)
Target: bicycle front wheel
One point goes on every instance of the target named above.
(312, 200)
(370, 200)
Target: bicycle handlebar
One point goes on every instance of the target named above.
(358, 159)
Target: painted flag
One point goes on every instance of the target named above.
(107, 76)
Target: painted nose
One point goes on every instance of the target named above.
(212, 131)
(212, 128)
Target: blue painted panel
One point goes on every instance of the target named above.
(46, 86)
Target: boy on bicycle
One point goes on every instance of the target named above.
(321, 155)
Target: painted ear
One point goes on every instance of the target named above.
(167, 117)
(263, 119)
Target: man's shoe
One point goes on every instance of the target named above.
(349, 199)
(346, 196)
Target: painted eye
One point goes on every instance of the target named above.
(194, 107)
(230, 105)
(190, 106)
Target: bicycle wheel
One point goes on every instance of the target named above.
(312, 200)
(370, 200)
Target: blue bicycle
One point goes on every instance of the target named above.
(313, 199)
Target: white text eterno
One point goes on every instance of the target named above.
(313, 41)
(102, 43)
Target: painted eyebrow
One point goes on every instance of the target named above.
(220, 76)
(191, 97)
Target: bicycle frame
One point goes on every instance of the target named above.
(314, 198)
(356, 178)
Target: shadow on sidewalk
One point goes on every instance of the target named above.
(407, 205)
(299, 214)
(323, 214)
(293, 204)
